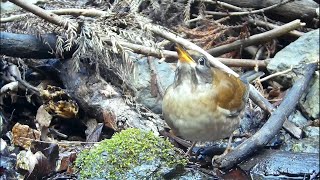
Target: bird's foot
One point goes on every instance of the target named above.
(217, 158)
(189, 151)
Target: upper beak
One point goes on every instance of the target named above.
(184, 56)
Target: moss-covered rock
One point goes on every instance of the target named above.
(130, 154)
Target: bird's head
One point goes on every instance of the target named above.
(185, 58)
(189, 69)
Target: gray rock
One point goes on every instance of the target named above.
(310, 102)
(194, 174)
(307, 145)
(312, 131)
(296, 54)
(298, 119)
(3, 146)
(274, 165)
(142, 80)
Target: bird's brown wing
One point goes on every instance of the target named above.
(231, 92)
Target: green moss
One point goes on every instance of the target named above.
(114, 158)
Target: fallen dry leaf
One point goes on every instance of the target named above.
(43, 117)
(23, 135)
(110, 120)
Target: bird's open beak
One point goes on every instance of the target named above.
(184, 56)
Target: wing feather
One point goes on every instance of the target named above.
(231, 91)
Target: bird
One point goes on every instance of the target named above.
(203, 103)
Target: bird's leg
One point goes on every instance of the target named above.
(184, 143)
(228, 149)
(190, 148)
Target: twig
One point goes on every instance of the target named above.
(161, 31)
(275, 74)
(69, 11)
(198, 18)
(29, 86)
(50, 17)
(218, 21)
(257, 39)
(249, 12)
(151, 51)
(54, 131)
(26, 85)
(270, 25)
(229, 6)
(244, 62)
(23, 84)
(57, 19)
(272, 126)
(59, 143)
(259, 100)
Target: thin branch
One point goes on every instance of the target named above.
(257, 39)
(29, 86)
(98, 12)
(23, 84)
(69, 11)
(161, 31)
(229, 6)
(270, 25)
(151, 51)
(59, 143)
(275, 74)
(198, 18)
(259, 100)
(249, 12)
(244, 62)
(50, 17)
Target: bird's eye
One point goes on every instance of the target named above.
(202, 61)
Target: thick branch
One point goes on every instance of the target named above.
(29, 46)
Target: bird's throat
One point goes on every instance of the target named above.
(186, 75)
